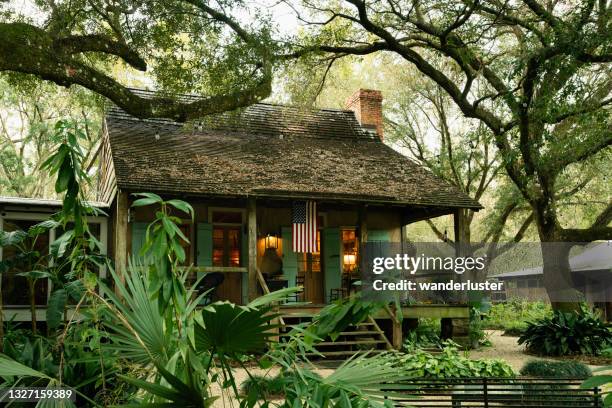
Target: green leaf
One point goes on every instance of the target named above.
(12, 238)
(143, 202)
(55, 308)
(596, 381)
(36, 274)
(59, 246)
(10, 367)
(232, 329)
(182, 206)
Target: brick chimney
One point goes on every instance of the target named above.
(367, 105)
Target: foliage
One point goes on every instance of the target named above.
(601, 380)
(335, 317)
(29, 112)
(513, 315)
(555, 369)
(566, 333)
(163, 247)
(425, 334)
(264, 385)
(542, 93)
(451, 364)
(222, 50)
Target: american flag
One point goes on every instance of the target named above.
(304, 220)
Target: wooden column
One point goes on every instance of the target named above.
(362, 220)
(252, 237)
(121, 233)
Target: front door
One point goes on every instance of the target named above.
(226, 252)
(310, 272)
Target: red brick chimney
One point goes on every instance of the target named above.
(367, 105)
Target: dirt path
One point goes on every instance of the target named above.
(507, 348)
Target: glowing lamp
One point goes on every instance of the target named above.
(271, 242)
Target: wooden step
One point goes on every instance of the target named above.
(344, 353)
(349, 342)
(358, 333)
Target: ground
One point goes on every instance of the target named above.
(507, 348)
(503, 347)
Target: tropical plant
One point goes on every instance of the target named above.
(450, 364)
(425, 334)
(162, 247)
(566, 333)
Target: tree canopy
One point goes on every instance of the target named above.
(190, 45)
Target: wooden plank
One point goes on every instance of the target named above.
(121, 233)
(415, 311)
(211, 269)
(252, 237)
(435, 311)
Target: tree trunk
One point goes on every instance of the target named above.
(558, 281)
(32, 288)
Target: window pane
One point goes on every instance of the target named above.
(234, 246)
(350, 250)
(226, 246)
(218, 246)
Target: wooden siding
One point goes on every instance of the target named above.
(107, 183)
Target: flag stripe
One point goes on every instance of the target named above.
(304, 221)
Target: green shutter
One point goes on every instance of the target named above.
(378, 236)
(204, 245)
(331, 261)
(290, 266)
(244, 260)
(139, 232)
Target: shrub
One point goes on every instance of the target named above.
(539, 391)
(451, 364)
(567, 333)
(264, 386)
(426, 334)
(555, 369)
(512, 315)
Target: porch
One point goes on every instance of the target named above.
(244, 249)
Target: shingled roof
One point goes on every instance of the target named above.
(271, 150)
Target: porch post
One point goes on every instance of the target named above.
(252, 237)
(121, 233)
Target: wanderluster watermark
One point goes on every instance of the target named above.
(443, 272)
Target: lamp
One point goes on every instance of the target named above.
(349, 261)
(271, 241)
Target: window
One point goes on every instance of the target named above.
(14, 287)
(350, 249)
(15, 290)
(226, 246)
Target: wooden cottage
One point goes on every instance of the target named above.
(242, 171)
